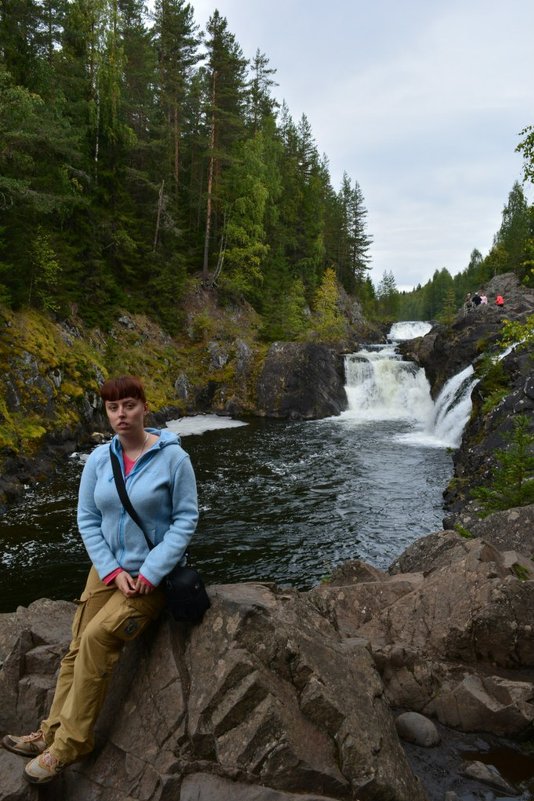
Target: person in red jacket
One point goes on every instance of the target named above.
(499, 301)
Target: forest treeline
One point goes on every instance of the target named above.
(140, 156)
(139, 153)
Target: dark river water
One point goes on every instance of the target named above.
(283, 502)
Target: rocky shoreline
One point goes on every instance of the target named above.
(282, 695)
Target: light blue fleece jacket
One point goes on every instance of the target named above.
(162, 489)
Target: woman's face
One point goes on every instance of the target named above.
(126, 415)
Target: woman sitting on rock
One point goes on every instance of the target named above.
(121, 596)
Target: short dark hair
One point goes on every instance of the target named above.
(126, 386)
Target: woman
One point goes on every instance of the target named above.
(121, 596)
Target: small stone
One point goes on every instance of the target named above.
(488, 774)
(418, 729)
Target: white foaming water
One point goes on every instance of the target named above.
(409, 329)
(380, 386)
(201, 423)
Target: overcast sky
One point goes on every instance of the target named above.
(420, 101)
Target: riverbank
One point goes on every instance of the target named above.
(52, 369)
(298, 694)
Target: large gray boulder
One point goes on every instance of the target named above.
(453, 640)
(264, 700)
(301, 381)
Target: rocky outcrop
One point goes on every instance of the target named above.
(488, 429)
(505, 386)
(282, 695)
(264, 700)
(301, 381)
(446, 350)
(452, 638)
(52, 370)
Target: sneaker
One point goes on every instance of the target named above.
(43, 769)
(27, 745)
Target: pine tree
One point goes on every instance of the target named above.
(514, 231)
(44, 275)
(19, 41)
(37, 185)
(177, 40)
(449, 307)
(354, 243)
(387, 296)
(225, 86)
(244, 248)
(260, 103)
(513, 479)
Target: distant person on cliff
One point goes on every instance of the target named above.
(483, 299)
(468, 305)
(122, 595)
(499, 301)
(477, 300)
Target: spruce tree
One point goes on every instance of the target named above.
(225, 121)
(512, 482)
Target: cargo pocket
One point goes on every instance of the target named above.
(89, 604)
(131, 627)
(136, 614)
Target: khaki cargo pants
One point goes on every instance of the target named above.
(104, 621)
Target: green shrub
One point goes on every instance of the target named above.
(513, 479)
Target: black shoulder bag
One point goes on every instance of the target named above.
(184, 588)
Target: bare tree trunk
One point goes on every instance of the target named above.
(158, 218)
(222, 252)
(205, 263)
(176, 148)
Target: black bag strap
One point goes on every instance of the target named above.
(123, 494)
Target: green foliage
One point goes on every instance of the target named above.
(45, 273)
(513, 479)
(365, 292)
(245, 248)
(352, 243)
(387, 297)
(329, 323)
(495, 381)
(463, 532)
(521, 572)
(493, 399)
(285, 311)
(520, 334)
(136, 153)
(449, 308)
(526, 148)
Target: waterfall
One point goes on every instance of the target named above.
(381, 386)
(409, 329)
(453, 407)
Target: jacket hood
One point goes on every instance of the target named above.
(166, 438)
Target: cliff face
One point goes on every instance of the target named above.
(52, 370)
(446, 350)
(505, 389)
